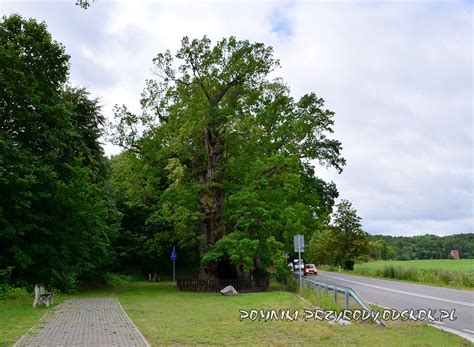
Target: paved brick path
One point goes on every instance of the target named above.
(85, 322)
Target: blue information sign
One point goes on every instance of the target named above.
(173, 256)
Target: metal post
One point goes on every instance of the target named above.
(348, 293)
(174, 267)
(299, 258)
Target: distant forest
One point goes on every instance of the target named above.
(421, 247)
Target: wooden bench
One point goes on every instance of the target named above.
(41, 297)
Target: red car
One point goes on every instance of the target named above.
(310, 269)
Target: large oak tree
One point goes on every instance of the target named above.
(230, 154)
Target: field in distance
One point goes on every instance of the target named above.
(464, 265)
(450, 273)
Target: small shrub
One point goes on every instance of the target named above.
(63, 281)
(9, 292)
(280, 270)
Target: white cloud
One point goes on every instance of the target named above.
(398, 75)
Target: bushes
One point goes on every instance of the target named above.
(9, 292)
(282, 272)
(6, 290)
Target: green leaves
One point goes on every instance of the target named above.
(56, 216)
(176, 171)
(226, 151)
(239, 248)
(346, 218)
(343, 243)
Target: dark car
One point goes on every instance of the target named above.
(310, 269)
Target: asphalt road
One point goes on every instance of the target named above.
(401, 296)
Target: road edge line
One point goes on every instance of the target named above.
(454, 331)
(462, 303)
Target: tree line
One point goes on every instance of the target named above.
(336, 248)
(56, 211)
(421, 247)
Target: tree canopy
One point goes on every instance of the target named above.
(422, 246)
(225, 155)
(55, 216)
(343, 242)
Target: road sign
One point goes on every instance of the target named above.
(299, 243)
(173, 256)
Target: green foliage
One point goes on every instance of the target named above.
(84, 3)
(221, 149)
(423, 246)
(380, 249)
(9, 292)
(322, 248)
(240, 250)
(342, 244)
(6, 290)
(282, 272)
(55, 212)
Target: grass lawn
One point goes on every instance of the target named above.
(169, 317)
(463, 265)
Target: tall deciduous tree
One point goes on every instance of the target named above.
(236, 149)
(343, 242)
(55, 217)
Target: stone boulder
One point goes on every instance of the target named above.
(229, 290)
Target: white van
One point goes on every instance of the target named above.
(298, 264)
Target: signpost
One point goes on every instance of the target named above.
(299, 247)
(173, 259)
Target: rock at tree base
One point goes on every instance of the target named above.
(229, 290)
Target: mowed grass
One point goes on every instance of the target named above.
(169, 317)
(17, 316)
(462, 265)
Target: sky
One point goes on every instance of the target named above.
(398, 75)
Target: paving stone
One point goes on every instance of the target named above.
(85, 322)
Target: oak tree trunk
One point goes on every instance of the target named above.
(212, 197)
